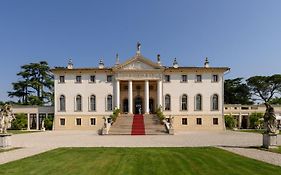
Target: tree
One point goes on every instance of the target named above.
(230, 122)
(236, 92)
(36, 84)
(265, 88)
(275, 101)
(256, 120)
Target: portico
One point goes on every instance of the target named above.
(138, 96)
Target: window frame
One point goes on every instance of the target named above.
(181, 105)
(196, 78)
(217, 102)
(77, 78)
(167, 78)
(107, 103)
(76, 121)
(63, 77)
(90, 79)
(107, 78)
(95, 121)
(64, 120)
(217, 121)
(76, 103)
(184, 121)
(215, 80)
(184, 80)
(60, 102)
(95, 103)
(167, 109)
(199, 121)
(196, 102)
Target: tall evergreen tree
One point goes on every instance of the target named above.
(236, 92)
(36, 84)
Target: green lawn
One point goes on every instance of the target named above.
(147, 161)
(278, 150)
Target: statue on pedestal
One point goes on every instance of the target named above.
(6, 117)
(270, 120)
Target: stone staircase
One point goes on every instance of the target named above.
(123, 125)
(153, 125)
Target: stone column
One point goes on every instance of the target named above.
(159, 93)
(28, 121)
(146, 95)
(130, 96)
(37, 121)
(118, 94)
(240, 121)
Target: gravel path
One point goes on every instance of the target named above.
(265, 156)
(35, 143)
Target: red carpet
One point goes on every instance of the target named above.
(138, 125)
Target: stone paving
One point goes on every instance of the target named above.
(35, 143)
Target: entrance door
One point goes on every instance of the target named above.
(244, 124)
(138, 105)
(151, 105)
(125, 106)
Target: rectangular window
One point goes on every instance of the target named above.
(167, 78)
(184, 121)
(198, 78)
(62, 121)
(109, 78)
(78, 121)
(61, 80)
(215, 121)
(92, 79)
(199, 121)
(78, 79)
(215, 78)
(93, 121)
(184, 78)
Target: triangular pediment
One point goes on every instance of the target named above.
(138, 62)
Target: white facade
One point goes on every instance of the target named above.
(139, 86)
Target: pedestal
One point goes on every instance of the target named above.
(5, 140)
(171, 131)
(270, 141)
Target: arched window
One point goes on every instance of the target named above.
(109, 102)
(93, 103)
(62, 103)
(167, 102)
(184, 102)
(215, 102)
(198, 102)
(78, 103)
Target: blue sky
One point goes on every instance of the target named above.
(243, 35)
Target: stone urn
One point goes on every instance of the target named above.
(5, 140)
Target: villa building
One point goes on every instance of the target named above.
(192, 96)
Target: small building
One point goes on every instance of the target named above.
(241, 113)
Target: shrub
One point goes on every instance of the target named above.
(115, 114)
(20, 122)
(48, 122)
(230, 122)
(160, 114)
(256, 121)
